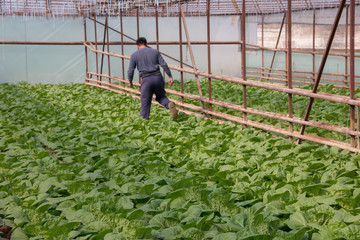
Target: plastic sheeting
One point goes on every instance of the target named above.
(66, 64)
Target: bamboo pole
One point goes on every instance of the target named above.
(352, 70)
(96, 54)
(262, 45)
(322, 65)
(346, 42)
(308, 137)
(298, 76)
(253, 83)
(243, 52)
(277, 44)
(278, 116)
(192, 55)
(108, 46)
(305, 72)
(208, 49)
(358, 126)
(289, 65)
(122, 45)
(138, 30)
(86, 50)
(181, 57)
(103, 48)
(314, 39)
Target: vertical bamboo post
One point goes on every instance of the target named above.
(108, 46)
(277, 44)
(157, 27)
(86, 53)
(137, 23)
(352, 70)
(243, 52)
(322, 65)
(313, 55)
(157, 33)
(122, 46)
(103, 48)
(285, 46)
(262, 45)
(192, 56)
(181, 57)
(96, 47)
(208, 50)
(289, 63)
(138, 30)
(358, 126)
(346, 44)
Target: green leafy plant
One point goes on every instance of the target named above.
(78, 162)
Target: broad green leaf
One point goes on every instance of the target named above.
(19, 234)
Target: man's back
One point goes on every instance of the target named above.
(147, 61)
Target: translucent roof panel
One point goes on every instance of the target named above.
(149, 7)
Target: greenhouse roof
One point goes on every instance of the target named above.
(148, 7)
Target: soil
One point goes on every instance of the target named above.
(6, 230)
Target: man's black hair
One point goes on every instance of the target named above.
(141, 41)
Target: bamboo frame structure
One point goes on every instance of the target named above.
(281, 80)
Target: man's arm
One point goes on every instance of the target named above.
(131, 70)
(164, 65)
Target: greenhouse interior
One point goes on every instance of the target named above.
(254, 131)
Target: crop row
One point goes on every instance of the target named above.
(77, 162)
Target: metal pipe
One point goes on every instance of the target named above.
(322, 65)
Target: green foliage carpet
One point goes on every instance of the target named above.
(78, 162)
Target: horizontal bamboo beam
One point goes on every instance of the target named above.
(254, 46)
(253, 83)
(251, 46)
(309, 137)
(295, 81)
(299, 76)
(304, 72)
(278, 116)
(114, 42)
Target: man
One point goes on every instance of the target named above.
(147, 61)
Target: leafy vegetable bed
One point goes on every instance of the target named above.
(77, 162)
(277, 102)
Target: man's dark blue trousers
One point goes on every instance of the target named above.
(150, 85)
